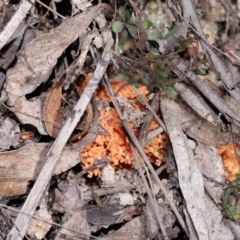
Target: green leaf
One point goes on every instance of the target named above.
(128, 16)
(238, 181)
(125, 43)
(172, 31)
(171, 92)
(202, 71)
(236, 216)
(132, 29)
(117, 26)
(152, 36)
(122, 76)
(199, 12)
(122, 12)
(231, 208)
(146, 24)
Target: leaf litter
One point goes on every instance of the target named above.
(78, 142)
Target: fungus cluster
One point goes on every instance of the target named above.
(230, 162)
(115, 145)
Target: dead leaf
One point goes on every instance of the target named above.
(20, 166)
(52, 118)
(38, 228)
(70, 202)
(134, 230)
(37, 60)
(8, 133)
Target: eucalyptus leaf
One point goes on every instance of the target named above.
(146, 24)
(152, 36)
(132, 29)
(128, 16)
(122, 12)
(117, 26)
(172, 31)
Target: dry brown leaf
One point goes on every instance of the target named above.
(20, 166)
(52, 118)
(37, 60)
(38, 228)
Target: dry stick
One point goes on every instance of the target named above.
(144, 157)
(50, 9)
(155, 104)
(147, 162)
(43, 179)
(15, 21)
(166, 44)
(207, 92)
(160, 122)
(152, 200)
(214, 59)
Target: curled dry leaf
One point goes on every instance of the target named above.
(52, 118)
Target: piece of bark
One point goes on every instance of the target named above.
(190, 178)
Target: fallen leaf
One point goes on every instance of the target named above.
(52, 118)
(20, 166)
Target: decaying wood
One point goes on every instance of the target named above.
(22, 221)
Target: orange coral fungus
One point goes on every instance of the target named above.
(230, 162)
(115, 145)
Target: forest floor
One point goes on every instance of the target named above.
(119, 120)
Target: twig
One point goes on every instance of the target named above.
(50, 9)
(218, 102)
(160, 122)
(15, 21)
(43, 220)
(152, 200)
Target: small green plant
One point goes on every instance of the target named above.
(230, 204)
(126, 28)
